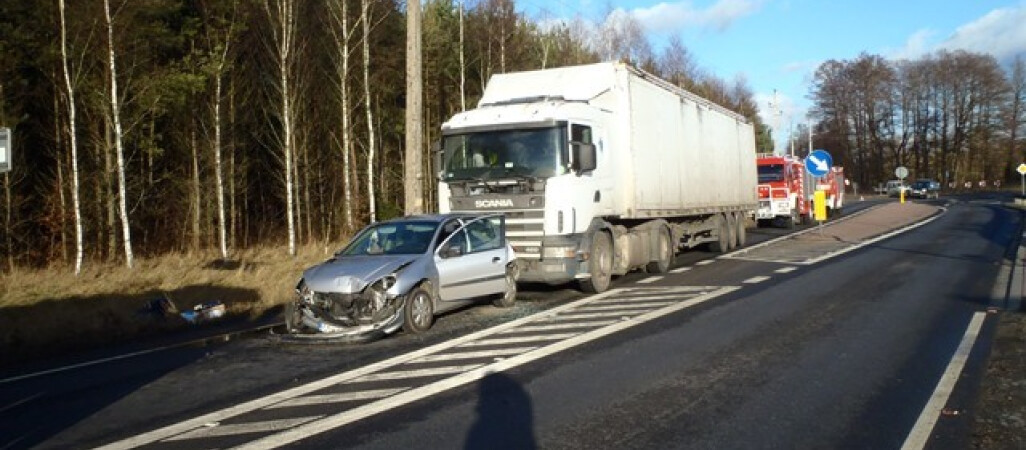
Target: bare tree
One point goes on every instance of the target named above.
(342, 33)
(73, 142)
(283, 30)
(220, 44)
(115, 112)
(365, 19)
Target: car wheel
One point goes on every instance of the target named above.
(600, 264)
(419, 311)
(665, 256)
(509, 296)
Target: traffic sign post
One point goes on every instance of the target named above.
(1022, 174)
(901, 172)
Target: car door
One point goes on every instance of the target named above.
(472, 261)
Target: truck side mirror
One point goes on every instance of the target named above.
(584, 157)
(436, 153)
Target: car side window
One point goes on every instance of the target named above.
(485, 234)
(459, 236)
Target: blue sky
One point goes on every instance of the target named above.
(778, 44)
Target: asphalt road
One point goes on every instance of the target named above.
(726, 353)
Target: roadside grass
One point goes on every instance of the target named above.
(47, 312)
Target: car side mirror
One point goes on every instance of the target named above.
(584, 157)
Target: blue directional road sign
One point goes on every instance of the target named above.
(818, 163)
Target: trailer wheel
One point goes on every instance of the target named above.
(600, 264)
(742, 232)
(665, 255)
(731, 231)
(722, 244)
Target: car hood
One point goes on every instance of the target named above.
(350, 274)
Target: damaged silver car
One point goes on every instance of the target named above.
(402, 273)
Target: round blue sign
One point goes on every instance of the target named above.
(818, 163)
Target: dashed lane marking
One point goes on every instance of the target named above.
(755, 280)
(680, 270)
(787, 269)
(650, 280)
(705, 262)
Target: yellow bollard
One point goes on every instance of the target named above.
(820, 205)
(901, 194)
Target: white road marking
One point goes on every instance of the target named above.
(787, 269)
(680, 270)
(706, 292)
(243, 428)
(337, 398)
(650, 280)
(518, 339)
(872, 241)
(568, 325)
(332, 422)
(631, 306)
(472, 355)
(600, 314)
(920, 434)
(705, 262)
(755, 280)
(418, 373)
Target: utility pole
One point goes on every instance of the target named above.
(414, 168)
(775, 117)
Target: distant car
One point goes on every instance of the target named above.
(894, 188)
(402, 272)
(925, 189)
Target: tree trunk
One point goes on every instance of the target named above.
(197, 200)
(365, 13)
(284, 35)
(413, 178)
(116, 116)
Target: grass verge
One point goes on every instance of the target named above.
(48, 312)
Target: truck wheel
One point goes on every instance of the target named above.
(792, 220)
(731, 231)
(600, 264)
(742, 232)
(722, 244)
(665, 255)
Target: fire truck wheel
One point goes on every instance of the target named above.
(792, 220)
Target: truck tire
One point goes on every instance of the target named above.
(791, 221)
(722, 244)
(742, 232)
(664, 254)
(600, 264)
(731, 231)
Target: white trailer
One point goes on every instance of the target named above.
(600, 169)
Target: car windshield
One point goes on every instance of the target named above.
(489, 155)
(393, 238)
(771, 172)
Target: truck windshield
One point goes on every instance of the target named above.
(499, 154)
(771, 172)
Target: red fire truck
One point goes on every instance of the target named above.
(833, 184)
(784, 191)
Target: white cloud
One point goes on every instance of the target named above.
(1000, 33)
(671, 17)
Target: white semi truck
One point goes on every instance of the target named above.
(600, 169)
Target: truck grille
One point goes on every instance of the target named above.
(525, 229)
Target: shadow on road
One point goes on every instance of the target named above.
(505, 419)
